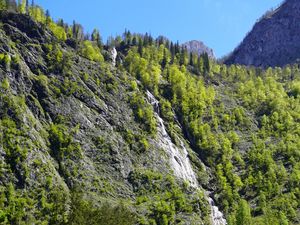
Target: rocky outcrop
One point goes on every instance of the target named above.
(199, 48)
(274, 39)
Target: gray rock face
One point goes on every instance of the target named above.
(199, 48)
(273, 41)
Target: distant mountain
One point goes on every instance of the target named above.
(199, 47)
(274, 39)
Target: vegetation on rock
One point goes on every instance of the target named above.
(78, 138)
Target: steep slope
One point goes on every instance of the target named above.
(274, 39)
(69, 123)
(199, 48)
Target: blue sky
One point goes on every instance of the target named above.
(220, 24)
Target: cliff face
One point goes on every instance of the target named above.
(273, 41)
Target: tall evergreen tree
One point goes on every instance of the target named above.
(48, 18)
(140, 46)
(146, 40)
(164, 60)
(134, 41)
(191, 59)
(206, 63)
(27, 6)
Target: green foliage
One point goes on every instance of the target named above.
(243, 215)
(163, 198)
(57, 61)
(3, 4)
(38, 14)
(84, 212)
(221, 125)
(58, 31)
(62, 146)
(91, 52)
(5, 84)
(143, 112)
(5, 59)
(243, 122)
(22, 6)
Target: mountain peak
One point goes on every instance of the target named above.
(274, 39)
(199, 48)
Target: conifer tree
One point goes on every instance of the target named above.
(48, 18)
(206, 63)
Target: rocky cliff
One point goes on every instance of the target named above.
(274, 39)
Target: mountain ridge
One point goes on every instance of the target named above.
(273, 41)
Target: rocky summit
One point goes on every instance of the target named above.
(199, 48)
(274, 39)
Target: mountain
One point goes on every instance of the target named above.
(274, 39)
(135, 132)
(199, 48)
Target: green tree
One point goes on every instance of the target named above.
(243, 214)
(22, 6)
(2, 4)
(97, 38)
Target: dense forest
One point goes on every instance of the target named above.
(242, 122)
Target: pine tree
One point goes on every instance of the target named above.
(140, 46)
(183, 60)
(146, 40)
(128, 37)
(206, 64)
(164, 60)
(200, 65)
(27, 6)
(134, 41)
(48, 18)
